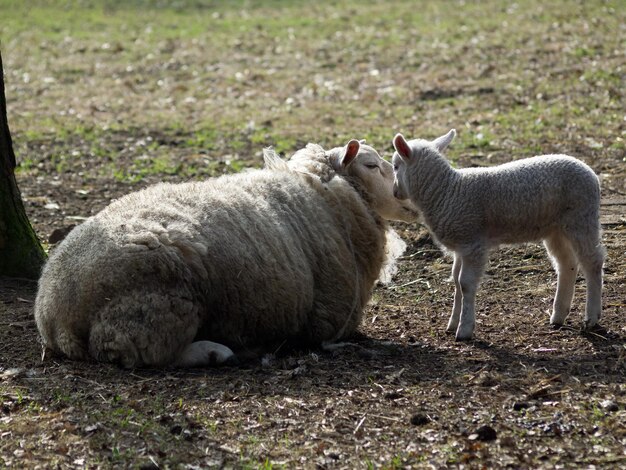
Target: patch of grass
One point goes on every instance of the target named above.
(395, 463)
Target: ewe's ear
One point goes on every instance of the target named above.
(402, 146)
(352, 149)
(442, 142)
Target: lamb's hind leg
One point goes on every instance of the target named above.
(590, 253)
(473, 265)
(453, 323)
(566, 266)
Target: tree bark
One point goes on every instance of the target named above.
(21, 254)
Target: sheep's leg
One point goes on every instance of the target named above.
(472, 269)
(566, 266)
(453, 323)
(147, 329)
(592, 269)
(593, 276)
(588, 247)
(205, 353)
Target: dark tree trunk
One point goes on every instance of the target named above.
(21, 254)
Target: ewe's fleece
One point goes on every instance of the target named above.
(287, 252)
(554, 198)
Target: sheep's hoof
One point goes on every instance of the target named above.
(590, 325)
(463, 337)
(230, 361)
(557, 320)
(206, 353)
(556, 325)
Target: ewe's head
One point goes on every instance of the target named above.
(411, 153)
(362, 163)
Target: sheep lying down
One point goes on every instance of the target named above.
(554, 198)
(185, 274)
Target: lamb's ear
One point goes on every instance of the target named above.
(402, 146)
(442, 142)
(352, 150)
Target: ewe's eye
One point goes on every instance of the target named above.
(371, 166)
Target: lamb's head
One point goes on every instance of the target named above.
(412, 153)
(364, 165)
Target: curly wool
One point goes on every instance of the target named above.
(290, 251)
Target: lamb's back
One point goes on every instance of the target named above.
(524, 199)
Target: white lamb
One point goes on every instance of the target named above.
(183, 274)
(554, 198)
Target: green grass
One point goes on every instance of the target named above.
(303, 73)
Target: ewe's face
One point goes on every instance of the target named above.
(377, 177)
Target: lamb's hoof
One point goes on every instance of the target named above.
(231, 361)
(556, 326)
(463, 337)
(451, 329)
(590, 325)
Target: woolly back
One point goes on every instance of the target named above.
(311, 160)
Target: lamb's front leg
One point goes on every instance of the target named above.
(472, 268)
(453, 323)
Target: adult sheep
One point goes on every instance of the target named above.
(183, 274)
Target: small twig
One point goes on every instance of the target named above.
(93, 382)
(420, 252)
(360, 423)
(596, 334)
(144, 379)
(279, 346)
(522, 268)
(406, 284)
(387, 418)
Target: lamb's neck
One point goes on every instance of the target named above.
(434, 181)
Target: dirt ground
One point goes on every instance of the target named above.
(403, 394)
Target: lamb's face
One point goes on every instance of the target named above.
(402, 157)
(399, 175)
(411, 153)
(364, 163)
